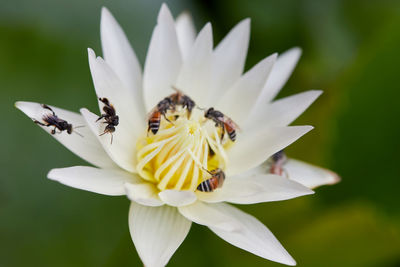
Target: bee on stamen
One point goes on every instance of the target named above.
(277, 161)
(222, 121)
(110, 117)
(155, 115)
(216, 181)
(183, 100)
(52, 119)
(169, 103)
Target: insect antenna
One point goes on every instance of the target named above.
(78, 133)
(197, 162)
(76, 127)
(200, 108)
(176, 89)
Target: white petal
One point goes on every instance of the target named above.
(195, 74)
(229, 59)
(163, 60)
(120, 56)
(280, 73)
(238, 101)
(309, 175)
(177, 198)
(253, 236)
(255, 189)
(143, 193)
(86, 147)
(157, 232)
(186, 33)
(101, 181)
(122, 150)
(281, 112)
(108, 85)
(209, 215)
(253, 148)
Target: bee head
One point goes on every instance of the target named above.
(115, 120)
(209, 112)
(67, 126)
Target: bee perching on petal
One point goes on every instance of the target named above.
(173, 176)
(52, 120)
(110, 117)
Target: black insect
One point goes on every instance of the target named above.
(52, 120)
(110, 117)
(222, 121)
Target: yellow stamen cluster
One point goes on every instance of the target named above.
(177, 156)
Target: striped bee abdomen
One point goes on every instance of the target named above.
(154, 122)
(208, 185)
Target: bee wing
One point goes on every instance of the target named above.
(150, 114)
(228, 120)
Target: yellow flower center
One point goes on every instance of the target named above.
(178, 156)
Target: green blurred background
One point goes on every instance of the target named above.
(350, 50)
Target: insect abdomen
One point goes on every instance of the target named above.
(154, 122)
(231, 132)
(208, 185)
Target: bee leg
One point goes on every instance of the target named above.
(53, 131)
(105, 101)
(165, 117)
(222, 132)
(102, 116)
(49, 108)
(38, 122)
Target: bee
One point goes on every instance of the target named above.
(183, 100)
(277, 161)
(155, 115)
(216, 181)
(222, 121)
(53, 120)
(110, 117)
(168, 103)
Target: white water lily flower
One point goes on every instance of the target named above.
(160, 173)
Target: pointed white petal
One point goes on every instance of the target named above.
(280, 73)
(163, 60)
(238, 101)
(255, 189)
(186, 33)
(228, 60)
(157, 232)
(122, 150)
(120, 56)
(309, 175)
(86, 147)
(101, 181)
(195, 74)
(177, 198)
(108, 85)
(253, 236)
(281, 112)
(143, 193)
(253, 148)
(209, 215)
